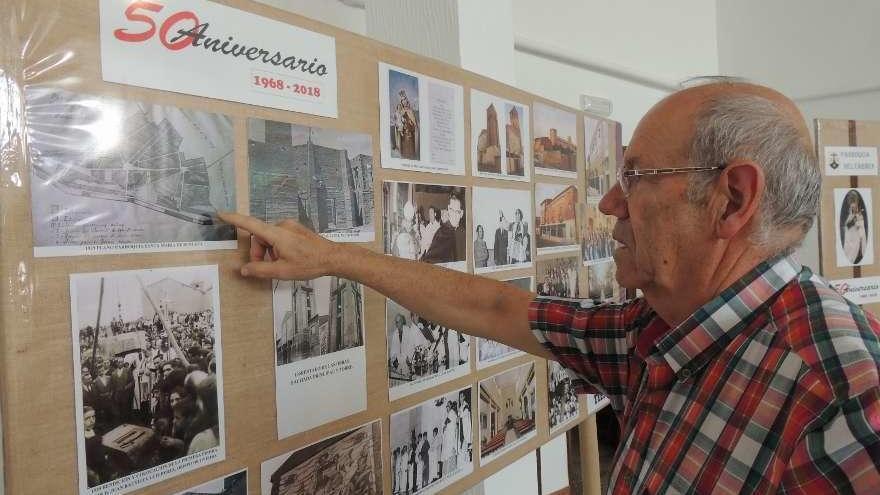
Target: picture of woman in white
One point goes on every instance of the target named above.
(853, 226)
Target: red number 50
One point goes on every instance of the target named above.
(131, 13)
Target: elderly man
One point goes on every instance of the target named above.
(739, 370)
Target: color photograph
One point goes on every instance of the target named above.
(507, 411)
(555, 147)
(556, 217)
(600, 173)
(500, 138)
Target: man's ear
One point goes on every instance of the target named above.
(740, 188)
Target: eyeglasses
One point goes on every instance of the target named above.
(626, 178)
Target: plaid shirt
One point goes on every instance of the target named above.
(770, 387)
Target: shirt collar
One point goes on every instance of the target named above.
(690, 345)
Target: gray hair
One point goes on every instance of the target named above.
(755, 128)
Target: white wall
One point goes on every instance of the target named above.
(821, 54)
(332, 12)
(649, 37)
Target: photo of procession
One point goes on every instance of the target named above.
(507, 411)
(502, 236)
(563, 400)
(556, 217)
(148, 382)
(431, 444)
(600, 173)
(558, 277)
(403, 99)
(347, 463)
(421, 353)
(555, 146)
(322, 178)
(426, 222)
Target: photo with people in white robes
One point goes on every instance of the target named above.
(432, 444)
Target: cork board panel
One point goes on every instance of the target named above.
(834, 132)
(53, 42)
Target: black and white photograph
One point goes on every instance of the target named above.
(854, 227)
(597, 245)
(422, 122)
(500, 138)
(490, 352)
(556, 217)
(421, 353)
(233, 484)
(432, 444)
(558, 277)
(112, 176)
(600, 172)
(555, 146)
(344, 464)
(319, 346)
(148, 376)
(564, 406)
(602, 282)
(322, 178)
(502, 234)
(426, 222)
(507, 411)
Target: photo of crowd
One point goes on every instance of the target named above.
(431, 444)
(502, 235)
(147, 368)
(421, 353)
(425, 222)
(507, 410)
(563, 399)
(558, 277)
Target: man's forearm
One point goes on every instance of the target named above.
(477, 306)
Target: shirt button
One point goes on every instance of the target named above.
(685, 374)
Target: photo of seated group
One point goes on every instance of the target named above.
(507, 411)
(148, 375)
(431, 444)
(421, 353)
(426, 222)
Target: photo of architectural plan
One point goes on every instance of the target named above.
(118, 176)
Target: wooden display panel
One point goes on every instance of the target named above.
(56, 42)
(832, 132)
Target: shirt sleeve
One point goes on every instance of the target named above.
(844, 455)
(595, 342)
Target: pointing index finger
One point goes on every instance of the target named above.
(253, 225)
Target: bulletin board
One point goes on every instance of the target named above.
(55, 44)
(847, 153)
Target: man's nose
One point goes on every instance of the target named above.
(614, 203)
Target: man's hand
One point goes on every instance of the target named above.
(286, 251)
